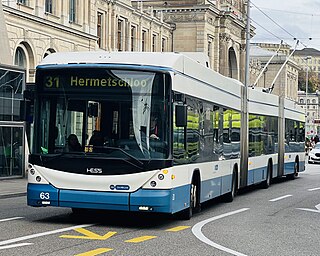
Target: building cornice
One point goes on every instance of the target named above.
(45, 22)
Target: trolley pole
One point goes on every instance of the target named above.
(244, 103)
(307, 127)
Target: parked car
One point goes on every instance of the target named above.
(314, 155)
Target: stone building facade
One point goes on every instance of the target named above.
(37, 28)
(216, 28)
(311, 105)
(309, 57)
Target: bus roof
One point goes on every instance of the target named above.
(161, 59)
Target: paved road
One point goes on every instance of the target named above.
(282, 220)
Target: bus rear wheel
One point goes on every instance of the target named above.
(295, 173)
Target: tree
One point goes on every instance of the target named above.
(313, 81)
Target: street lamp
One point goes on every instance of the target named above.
(307, 78)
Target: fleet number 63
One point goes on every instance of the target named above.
(44, 195)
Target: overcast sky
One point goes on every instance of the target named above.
(295, 18)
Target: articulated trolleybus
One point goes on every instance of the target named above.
(153, 132)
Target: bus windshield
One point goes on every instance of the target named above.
(103, 112)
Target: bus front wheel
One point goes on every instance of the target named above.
(194, 206)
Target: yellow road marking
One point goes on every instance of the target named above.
(89, 235)
(178, 228)
(95, 252)
(140, 239)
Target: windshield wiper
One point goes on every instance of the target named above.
(49, 157)
(134, 161)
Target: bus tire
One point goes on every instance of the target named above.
(230, 195)
(295, 173)
(266, 184)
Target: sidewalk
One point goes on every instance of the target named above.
(13, 188)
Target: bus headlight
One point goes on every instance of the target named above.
(153, 183)
(38, 178)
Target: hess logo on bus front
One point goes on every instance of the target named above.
(94, 170)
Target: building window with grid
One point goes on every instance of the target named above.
(72, 11)
(133, 38)
(143, 40)
(154, 42)
(120, 35)
(48, 6)
(20, 58)
(99, 28)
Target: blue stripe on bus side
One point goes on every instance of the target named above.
(289, 167)
(210, 189)
(257, 175)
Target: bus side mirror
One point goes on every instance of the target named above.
(25, 110)
(181, 115)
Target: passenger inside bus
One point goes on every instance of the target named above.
(73, 143)
(154, 132)
(96, 139)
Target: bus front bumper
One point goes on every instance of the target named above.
(41, 195)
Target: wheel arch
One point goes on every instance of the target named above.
(270, 165)
(236, 171)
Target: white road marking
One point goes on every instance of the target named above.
(196, 230)
(14, 245)
(313, 189)
(309, 210)
(19, 239)
(279, 198)
(14, 218)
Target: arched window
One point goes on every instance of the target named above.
(233, 67)
(20, 58)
